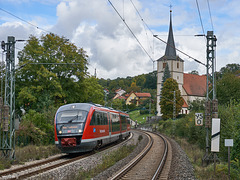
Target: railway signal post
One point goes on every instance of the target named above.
(7, 129)
(211, 106)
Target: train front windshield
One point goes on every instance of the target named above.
(69, 122)
(71, 116)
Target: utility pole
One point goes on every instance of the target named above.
(105, 99)
(211, 100)
(174, 105)
(7, 132)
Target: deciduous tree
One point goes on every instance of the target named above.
(167, 98)
(52, 70)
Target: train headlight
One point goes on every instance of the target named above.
(80, 131)
(60, 132)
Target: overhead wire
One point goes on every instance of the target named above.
(210, 14)
(130, 30)
(165, 41)
(145, 24)
(180, 51)
(200, 16)
(24, 20)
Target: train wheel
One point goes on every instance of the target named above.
(120, 138)
(99, 144)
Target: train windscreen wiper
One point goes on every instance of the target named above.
(75, 117)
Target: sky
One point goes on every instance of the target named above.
(114, 50)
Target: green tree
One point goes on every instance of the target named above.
(93, 91)
(118, 104)
(230, 68)
(228, 89)
(133, 87)
(167, 98)
(52, 70)
(194, 72)
(140, 80)
(166, 74)
(151, 80)
(196, 105)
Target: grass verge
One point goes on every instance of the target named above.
(195, 155)
(141, 118)
(29, 153)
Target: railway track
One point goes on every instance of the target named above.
(150, 162)
(31, 170)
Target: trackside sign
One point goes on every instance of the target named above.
(198, 119)
(215, 143)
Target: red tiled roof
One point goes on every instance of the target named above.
(143, 94)
(118, 90)
(121, 97)
(194, 85)
(184, 104)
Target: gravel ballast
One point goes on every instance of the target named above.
(180, 168)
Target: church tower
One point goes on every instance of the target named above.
(175, 64)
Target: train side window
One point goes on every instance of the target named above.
(105, 118)
(128, 120)
(98, 120)
(93, 120)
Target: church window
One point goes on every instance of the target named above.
(177, 65)
(164, 65)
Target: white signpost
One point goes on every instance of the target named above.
(229, 143)
(215, 143)
(198, 119)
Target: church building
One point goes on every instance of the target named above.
(191, 86)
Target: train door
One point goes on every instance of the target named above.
(110, 125)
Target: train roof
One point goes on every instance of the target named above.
(86, 107)
(82, 106)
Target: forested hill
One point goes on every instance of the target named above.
(140, 83)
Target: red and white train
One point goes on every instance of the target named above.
(82, 127)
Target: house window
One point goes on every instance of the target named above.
(177, 77)
(164, 65)
(178, 65)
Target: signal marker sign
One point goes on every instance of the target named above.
(215, 143)
(198, 119)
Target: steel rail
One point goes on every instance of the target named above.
(161, 164)
(41, 170)
(132, 163)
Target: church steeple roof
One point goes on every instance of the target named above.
(170, 49)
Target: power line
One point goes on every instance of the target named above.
(156, 36)
(200, 16)
(130, 30)
(24, 20)
(141, 16)
(144, 24)
(210, 14)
